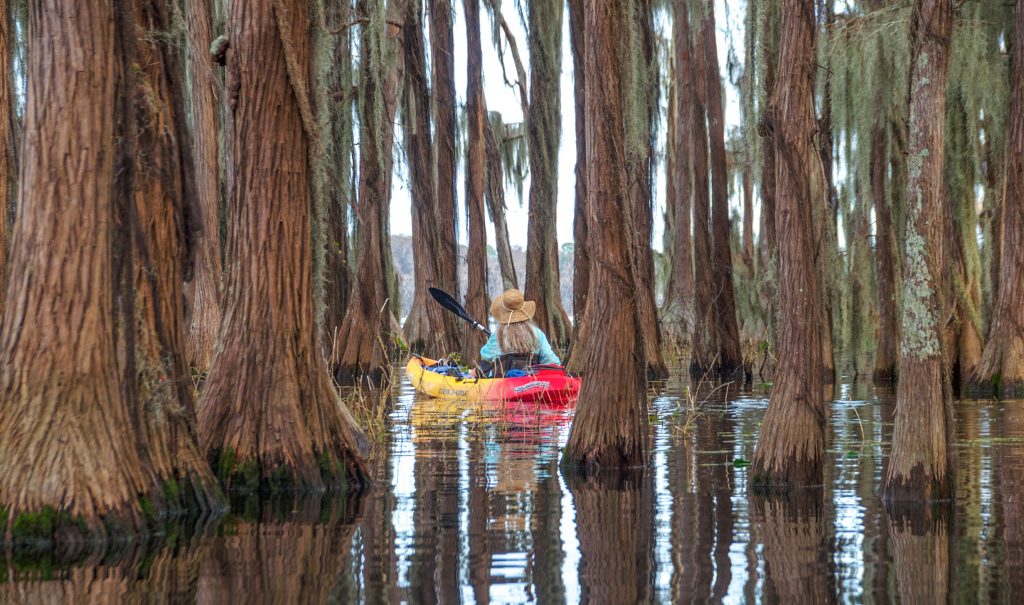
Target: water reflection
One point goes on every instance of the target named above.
(288, 550)
(797, 547)
(469, 505)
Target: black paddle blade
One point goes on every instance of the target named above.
(448, 302)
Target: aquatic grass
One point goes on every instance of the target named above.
(686, 415)
(368, 404)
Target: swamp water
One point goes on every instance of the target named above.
(469, 505)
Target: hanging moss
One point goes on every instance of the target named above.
(513, 150)
(867, 54)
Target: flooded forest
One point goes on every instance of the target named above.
(252, 253)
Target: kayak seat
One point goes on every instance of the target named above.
(510, 365)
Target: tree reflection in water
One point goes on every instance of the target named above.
(468, 505)
(797, 550)
(288, 550)
(614, 526)
(285, 550)
(919, 539)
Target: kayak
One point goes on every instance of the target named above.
(543, 384)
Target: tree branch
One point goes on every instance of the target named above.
(516, 58)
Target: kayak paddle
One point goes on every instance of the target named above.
(448, 302)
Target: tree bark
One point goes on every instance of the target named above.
(164, 204)
(886, 352)
(609, 429)
(70, 443)
(677, 317)
(442, 81)
(8, 158)
(703, 343)
(861, 292)
(476, 123)
(203, 291)
(730, 357)
(362, 344)
(428, 328)
(640, 166)
(920, 466)
(792, 441)
(768, 249)
(1002, 362)
(825, 219)
(270, 417)
(580, 231)
(334, 105)
(496, 206)
(962, 268)
(543, 132)
(747, 242)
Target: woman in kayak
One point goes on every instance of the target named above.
(517, 336)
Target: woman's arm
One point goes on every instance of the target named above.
(491, 350)
(544, 350)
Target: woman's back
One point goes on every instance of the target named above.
(517, 334)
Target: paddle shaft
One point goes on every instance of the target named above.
(448, 302)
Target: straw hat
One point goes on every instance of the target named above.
(510, 308)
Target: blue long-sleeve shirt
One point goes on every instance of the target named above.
(492, 350)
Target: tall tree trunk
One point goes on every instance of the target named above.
(861, 292)
(476, 123)
(496, 206)
(334, 107)
(791, 446)
(962, 268)
(703, 341)
(428, 329)
(362, 343)
(730, 357)
(164, 197)
(920, 466)
(1003, 360)
(609, 429)
(268, 376)
(70, 442)
(886, 257)
(747, 242)
(677, 317)
(993, 191)
(825, 215)
(580, 231)
(203, 291)
(442, 82)
(544, 132)
(8, 159)
(769, 248)
(641, 182)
